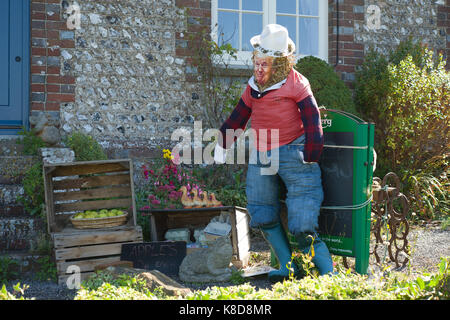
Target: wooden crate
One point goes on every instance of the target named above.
(162, 220)
(87, 249)
(89, 185)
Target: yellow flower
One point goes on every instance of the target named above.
(167, 154)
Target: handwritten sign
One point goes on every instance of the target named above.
(164, 256)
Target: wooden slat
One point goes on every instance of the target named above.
(242, 235)
(89, 251)
(96, 193)
(93, 205)
(79, 169)
(93, 181)
(84, 265)
(50, 209)
(64, 240)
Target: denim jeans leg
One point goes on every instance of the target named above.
(304, 189)
(262, 197)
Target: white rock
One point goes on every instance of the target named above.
(95, 18)
(66, 55)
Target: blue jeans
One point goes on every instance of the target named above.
(304, 189)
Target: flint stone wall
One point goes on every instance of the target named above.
(131, 91)
(400, 19)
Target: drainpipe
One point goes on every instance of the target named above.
(337, 33)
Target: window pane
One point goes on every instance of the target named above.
(309, 7)
(255, 5)
(309, 36)
(228, 28)
(289, 23)
(286, 6)
(228, 4)
(251, 26)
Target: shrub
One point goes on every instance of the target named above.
(329, 90)
(86, 148)
(33, 198)
(372, 78)
(407, 95)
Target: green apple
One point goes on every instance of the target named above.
(111, 214)
(119, 212)
(114, 211)
(103, 211)
(103, 215)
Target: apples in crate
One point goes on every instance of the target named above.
(103, 213)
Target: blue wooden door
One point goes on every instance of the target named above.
(14, 65)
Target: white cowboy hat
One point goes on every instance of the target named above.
(274, 41)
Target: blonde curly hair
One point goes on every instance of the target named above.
(281, 66)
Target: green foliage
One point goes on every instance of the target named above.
(431, 196)
(30, 141)
(47, 269)
(86, 148)
(33, 198)
(104, 286)
(416, 114)
(428, 286)
(407, 95)
(237, 278)
(17, 289)
(211, 62)
(7, 266)
(372, 78)
(329, 90)
(226, 182)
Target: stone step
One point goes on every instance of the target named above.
(20, 233)
(9, 194)
(13, 168)
(23, 262)
(9, 147)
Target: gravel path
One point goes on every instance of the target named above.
(428, 245)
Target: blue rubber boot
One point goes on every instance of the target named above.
(321, 256)
(277, 239)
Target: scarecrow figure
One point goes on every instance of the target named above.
(278, 99)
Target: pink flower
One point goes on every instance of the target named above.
(156, 201)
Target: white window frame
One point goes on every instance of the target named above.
(269, 16)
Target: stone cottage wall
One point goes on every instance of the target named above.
(124, 76)
(118, 76)
(358, 29)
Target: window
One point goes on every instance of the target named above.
(236, 21)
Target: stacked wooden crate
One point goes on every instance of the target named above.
(90, 185)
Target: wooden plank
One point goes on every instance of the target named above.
(93, 205)
(64, 240)
(89, 251)
(93, 181)
(50, 210)
(95, 193)
(84, 169)
(242, 236)
(84, 265)
(68, 164)
(133, 197)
